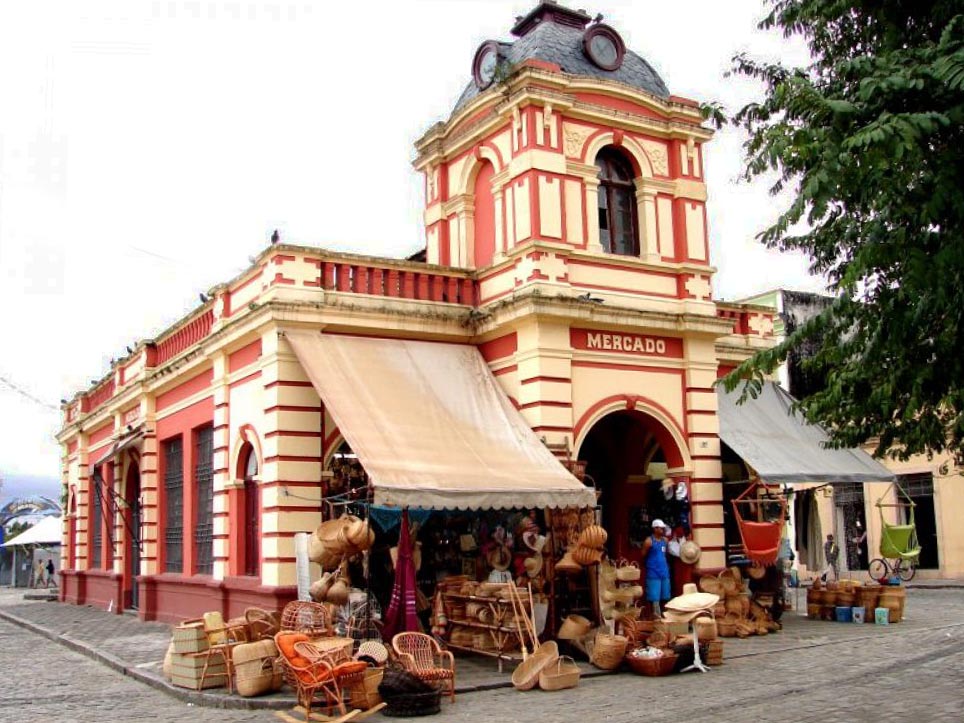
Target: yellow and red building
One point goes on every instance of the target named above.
(567, 240)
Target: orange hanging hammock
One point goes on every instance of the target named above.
(761, 536)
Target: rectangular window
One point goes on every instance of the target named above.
(174, 505)
(204, 479)
(95, 520)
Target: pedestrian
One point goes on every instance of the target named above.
(39, 574)
(50, 573)
(657, 567)
(832, 553)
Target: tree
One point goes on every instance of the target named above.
(870, 139)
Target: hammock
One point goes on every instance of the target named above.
(898, 541)
(761, 538)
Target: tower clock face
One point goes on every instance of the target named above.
(485, 63)
(604, 47)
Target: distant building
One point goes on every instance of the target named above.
(848, 511)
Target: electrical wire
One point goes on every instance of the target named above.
(27, 395)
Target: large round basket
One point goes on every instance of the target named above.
(608, 651)
(652, 666)
(712, 585)
(412, 705)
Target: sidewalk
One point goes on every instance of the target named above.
(136, 649)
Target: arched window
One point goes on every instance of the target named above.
(617, 204)
(251, 524)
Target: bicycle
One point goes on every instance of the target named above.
(880, 569)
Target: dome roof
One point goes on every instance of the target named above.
(554, 34)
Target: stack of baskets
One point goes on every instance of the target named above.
(736, 615)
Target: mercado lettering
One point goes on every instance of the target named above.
(626, 342)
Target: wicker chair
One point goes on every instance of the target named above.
(422, 656)
(311, 618)
(222, 639)
(309, 676)
(262, 625)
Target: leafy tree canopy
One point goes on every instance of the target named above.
(870, 138)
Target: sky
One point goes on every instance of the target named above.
(148, 148)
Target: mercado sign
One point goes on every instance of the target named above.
(593, 340)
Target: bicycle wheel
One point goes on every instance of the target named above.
(878, 569)
(906, 569)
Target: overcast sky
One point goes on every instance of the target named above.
(148, 148)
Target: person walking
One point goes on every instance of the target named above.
(832, 553)
(657, 567)
(51, 582)
(39, 574)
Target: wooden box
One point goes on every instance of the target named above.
(188, 637)
(186, 671)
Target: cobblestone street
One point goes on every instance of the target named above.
(812, 671)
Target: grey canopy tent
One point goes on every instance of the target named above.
(783, 448)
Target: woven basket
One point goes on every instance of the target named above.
(706, 629)
(256, 668)
(574, 627)
(374, 650)
(586, 556)
(593, 537)
(608, 651)
(652, 666)
(725, 629)
(559, 675)
(526, 675)
(412, 705)
(365, 695)
(712, 585)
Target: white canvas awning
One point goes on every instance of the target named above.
(431, 425)
(49, 531)
(783, 448)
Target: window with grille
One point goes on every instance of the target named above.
(174, 505)
(917, 485)
(96, 520)
(204, 480)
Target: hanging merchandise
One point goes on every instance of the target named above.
(402, 615)
(761, 536)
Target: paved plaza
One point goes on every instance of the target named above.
(810, 671)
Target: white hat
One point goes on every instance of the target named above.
(659, 523)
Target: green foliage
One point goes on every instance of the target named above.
(870, 139)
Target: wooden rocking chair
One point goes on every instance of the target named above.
(422, 656)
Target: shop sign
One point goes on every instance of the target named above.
(593, 340)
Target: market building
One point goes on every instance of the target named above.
(849, 511)
(566, 246)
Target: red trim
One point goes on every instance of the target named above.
(499, 348)
(505, 370)
(245, 380)
(292, 458)
(195, 385)
(244, 356)
(561, 380)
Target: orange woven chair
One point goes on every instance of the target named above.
(422, 656)
(222, 639)
(309, 676)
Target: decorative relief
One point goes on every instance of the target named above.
(575, 138)
(698, 287)
(761, 324)
(657, 157)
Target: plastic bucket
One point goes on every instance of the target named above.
(844, 614)
(858, 614)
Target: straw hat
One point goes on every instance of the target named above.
(533, 540)
(533, 565)
(692, 600)
(499, 558)
(689, 552)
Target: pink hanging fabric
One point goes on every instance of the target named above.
(401, 616)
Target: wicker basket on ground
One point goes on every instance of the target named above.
(559, 675)
(407, 696)
(526, 675)
(608, 651)
(256, 668)
(365, 694)
(662, 665)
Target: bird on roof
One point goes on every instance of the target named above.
(204, 299)
(275, 236)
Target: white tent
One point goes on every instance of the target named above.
(48, 531)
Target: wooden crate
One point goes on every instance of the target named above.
(186, 671)
(188, 637)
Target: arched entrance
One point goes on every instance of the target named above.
(628, 455)
(132, 499)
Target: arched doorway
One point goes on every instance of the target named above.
(628, 455)
(132, 499)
